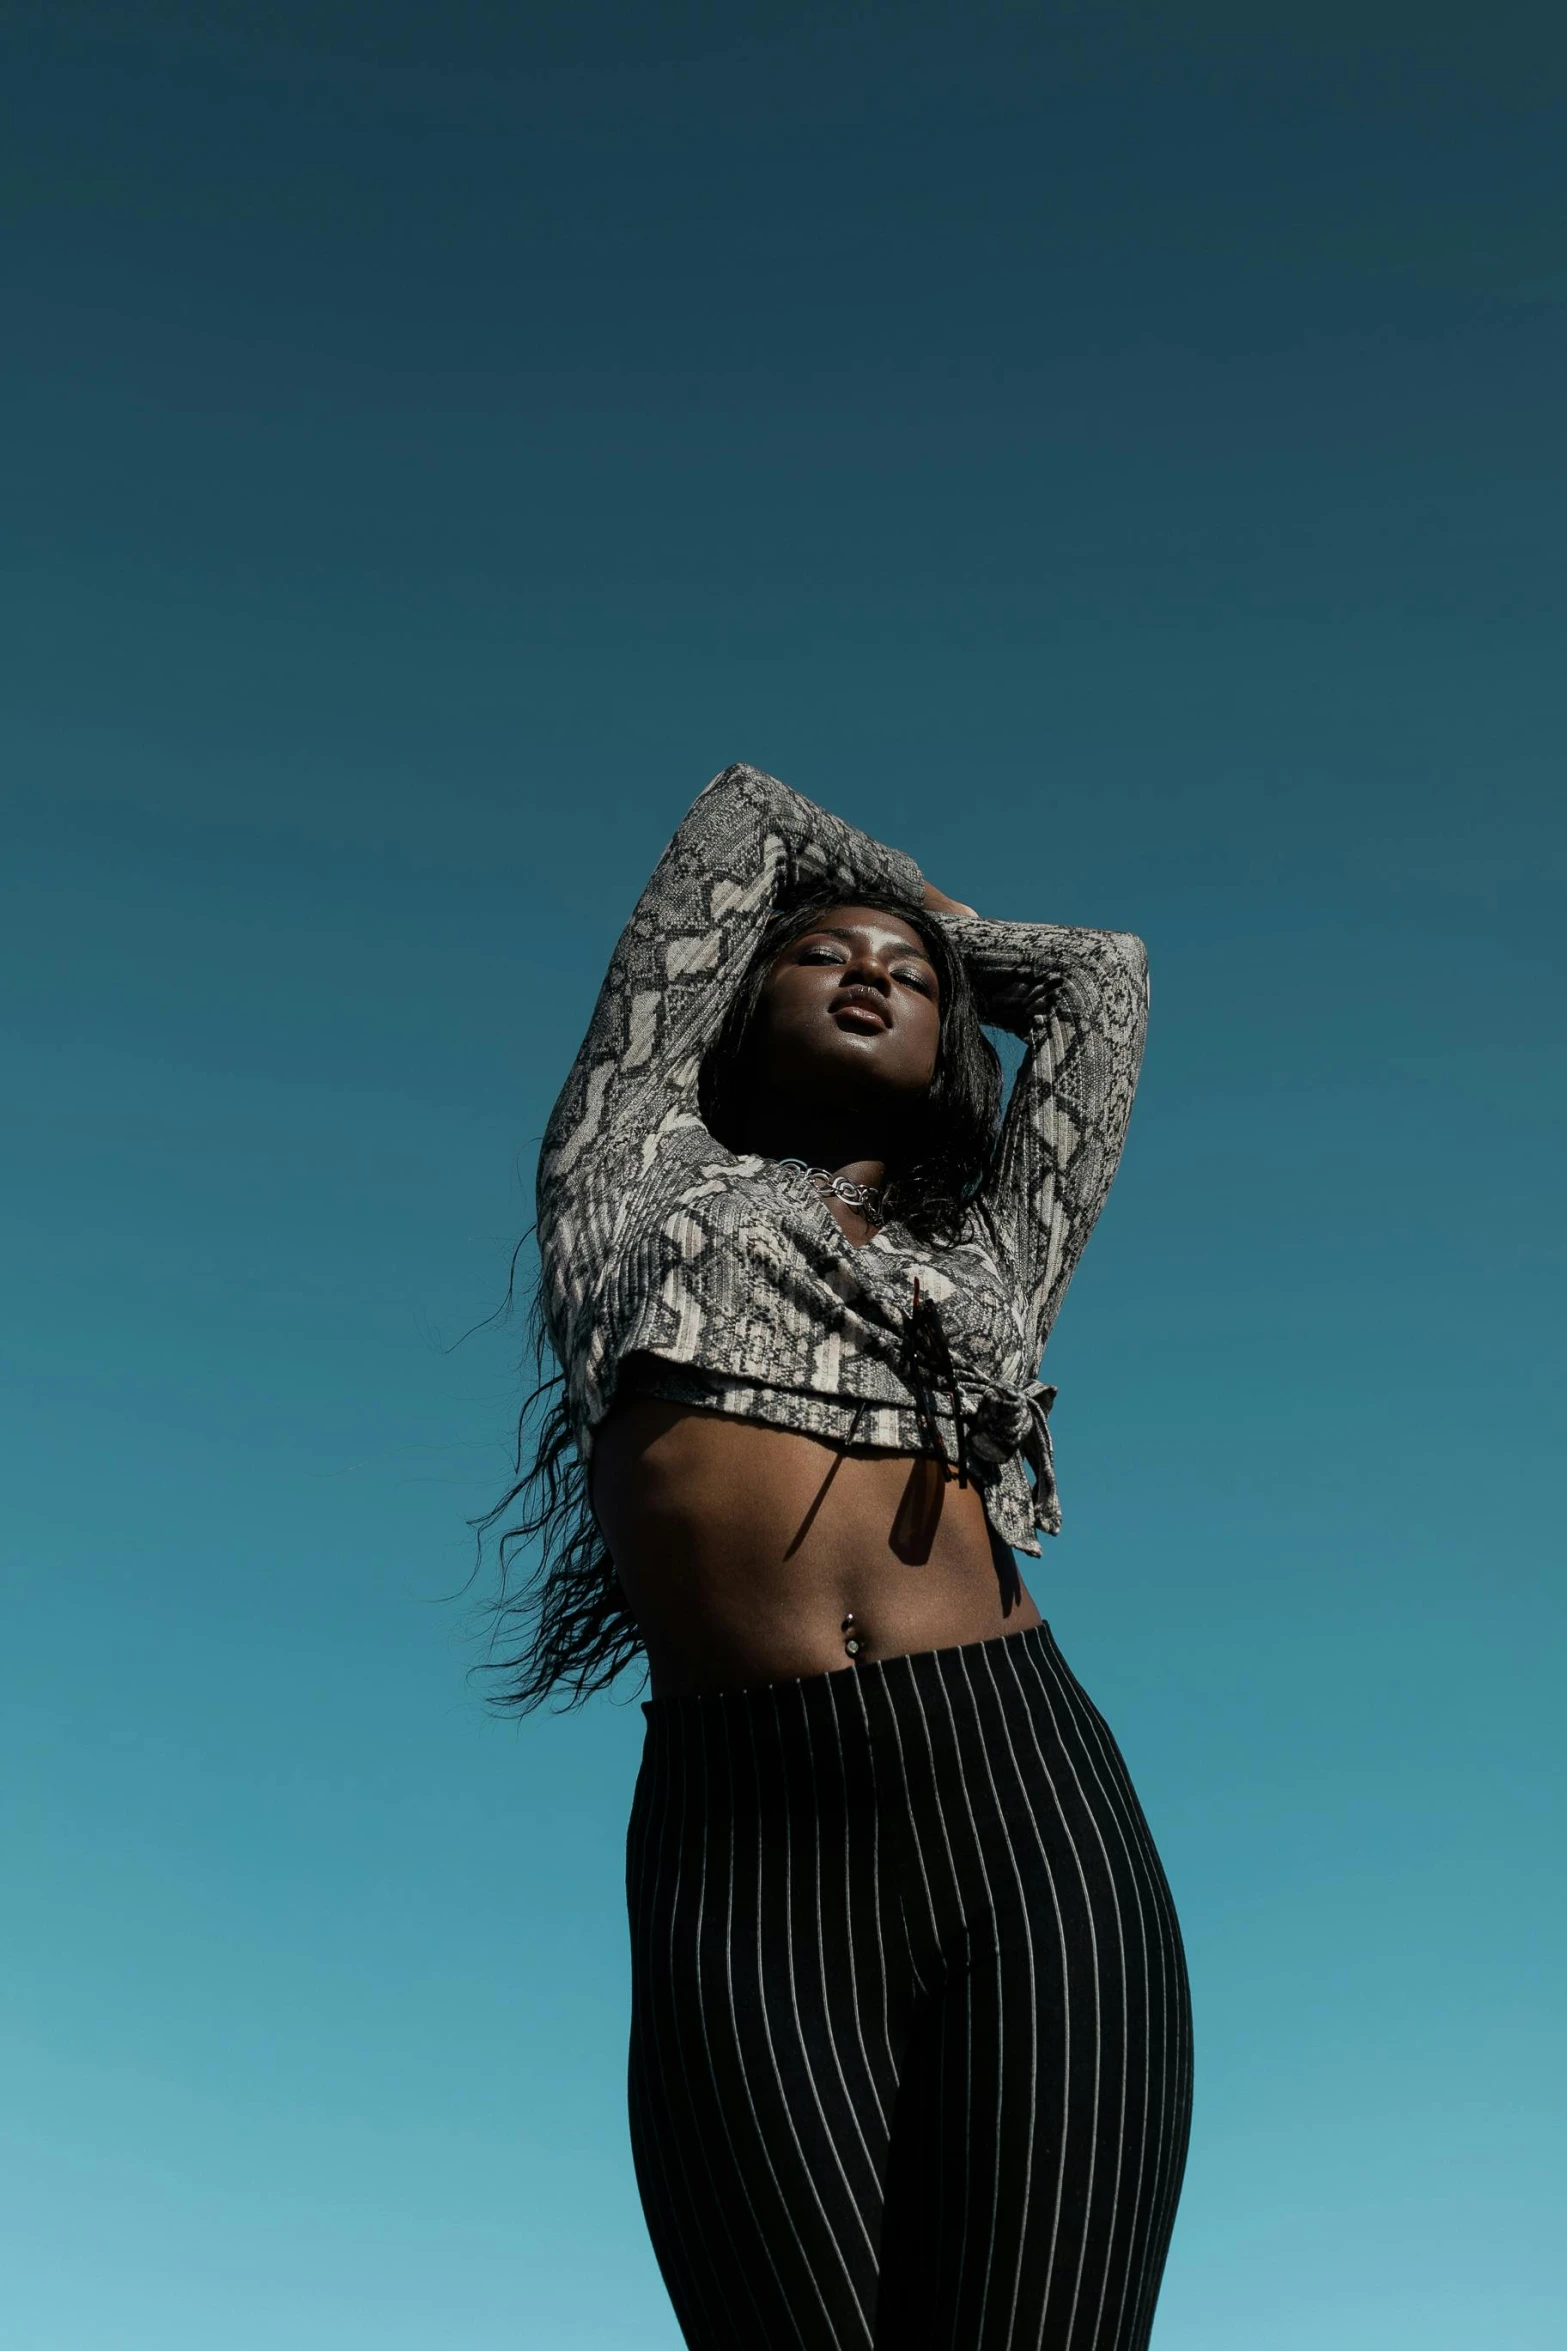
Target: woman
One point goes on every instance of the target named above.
(910, 2052)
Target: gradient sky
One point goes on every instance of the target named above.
(1115, 453)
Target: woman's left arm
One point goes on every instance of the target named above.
(1079, 1000)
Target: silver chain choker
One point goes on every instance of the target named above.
(865, 1197)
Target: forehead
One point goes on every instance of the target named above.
(866, 926)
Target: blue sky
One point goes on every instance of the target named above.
(1122, 463)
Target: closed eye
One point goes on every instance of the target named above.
(828, 951)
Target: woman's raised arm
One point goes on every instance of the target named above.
(1079, 1000)
(746, 841)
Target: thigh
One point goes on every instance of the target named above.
(1040, 2137)
(760, 2070)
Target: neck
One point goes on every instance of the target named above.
(871, 1172)
(842, 1147)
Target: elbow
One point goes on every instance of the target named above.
(731, 782)
(1132, 954)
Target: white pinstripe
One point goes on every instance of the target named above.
(848, 1912)
(1000, 2032)
(691, 2272)
(1170, 1963)
(919, 1848)
(760, 2140)
(1171, 1970)
(1088, 1913)
(1073, 1714)
(806, 2172)
(872, 2163)
(701, 2008)
(1120, 1936)
(968, 2010)
(1031, 2015)
(799, 2034)
(1129, 1811)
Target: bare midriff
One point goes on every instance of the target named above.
(751, 1554)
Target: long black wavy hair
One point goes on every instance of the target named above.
(567, 1626)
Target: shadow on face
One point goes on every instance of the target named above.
(850, 1014)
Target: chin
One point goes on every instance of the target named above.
(855, 1077)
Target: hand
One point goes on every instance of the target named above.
(938, 902)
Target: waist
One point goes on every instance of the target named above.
(751, 1554)
(862, 1716)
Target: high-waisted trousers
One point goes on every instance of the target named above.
(911, 2039)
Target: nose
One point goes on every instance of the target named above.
(865, 969)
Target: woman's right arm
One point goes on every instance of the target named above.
(745, 842)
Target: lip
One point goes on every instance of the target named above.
(861, 1010)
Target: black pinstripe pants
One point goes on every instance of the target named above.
(911, 2043)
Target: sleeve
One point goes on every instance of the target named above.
(1079, 1001)
(746, 843)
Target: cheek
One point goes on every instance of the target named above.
(930, 1041)
(786, 1001)
(783, 1013)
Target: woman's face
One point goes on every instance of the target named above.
(851, 1009)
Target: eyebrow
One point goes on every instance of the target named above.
(833, 930)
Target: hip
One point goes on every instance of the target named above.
(962, 1776)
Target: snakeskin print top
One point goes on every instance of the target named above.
(729, 1271)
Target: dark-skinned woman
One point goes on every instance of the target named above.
(910, 2056)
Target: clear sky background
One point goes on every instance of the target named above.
(1115, 452)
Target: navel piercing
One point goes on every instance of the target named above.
(852, 1643)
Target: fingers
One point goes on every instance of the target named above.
(939, 903)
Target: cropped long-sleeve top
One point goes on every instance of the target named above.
(726, 1274)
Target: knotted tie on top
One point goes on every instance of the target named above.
(999, 1422)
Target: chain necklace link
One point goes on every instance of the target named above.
(865, 1197)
